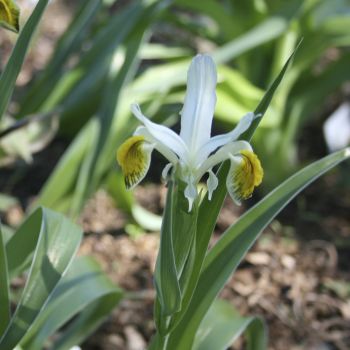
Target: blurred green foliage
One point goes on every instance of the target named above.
(57, 287)
(113, 54)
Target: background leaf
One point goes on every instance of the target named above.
(222, 325)
(56, 241)
(4, 290)
(84, 292)
(14, 64)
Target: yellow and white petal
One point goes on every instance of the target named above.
(134, 157)
(245, 174)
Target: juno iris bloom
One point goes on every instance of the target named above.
(194, 152)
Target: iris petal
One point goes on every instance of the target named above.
(160, 147)
(212, 183)
(161, 134)
(198, 110)
(191, 194)
(220, 140)
(245, 174)
(134, 157)
(222, 154)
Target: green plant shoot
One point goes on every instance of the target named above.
(187, 278)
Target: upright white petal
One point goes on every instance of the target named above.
(220, 140)
(161, 134)
(198, 110)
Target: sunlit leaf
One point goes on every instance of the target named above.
(52, 241)
(222, 325)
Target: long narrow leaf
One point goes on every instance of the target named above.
(224, 258)
(167, 285)
(56, 245)
(4, 289)
(223, 325)
(70, 41)
(13, 67)
(84, 286)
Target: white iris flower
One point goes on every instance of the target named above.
(194, 152)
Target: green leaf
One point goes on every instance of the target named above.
(123, 65)
(69, 42)
(56, 241)
(4, 290)
(14, 64)
(167, 285)
(145, 218)
(233, 245)
(222, 325)
(9, 15)
(184, 226)
(214, 9)
(67, 168)
(265, 102)
(85, 292)
(268, 30)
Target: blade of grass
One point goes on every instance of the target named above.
(69, 42)
(56, 241)
(4, 290)
(223, 325)
(9, 75)
(83, 287)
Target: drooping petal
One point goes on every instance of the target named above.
(160, 147)
(222, 154)
(134, 157)
(198, 110)
(245, 174)
(220, 140)
(212, 183)
(191, 194)
(165, 172)
(161, 134)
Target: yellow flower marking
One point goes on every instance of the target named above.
(248, 175)
(134, 160)
(9, 15)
